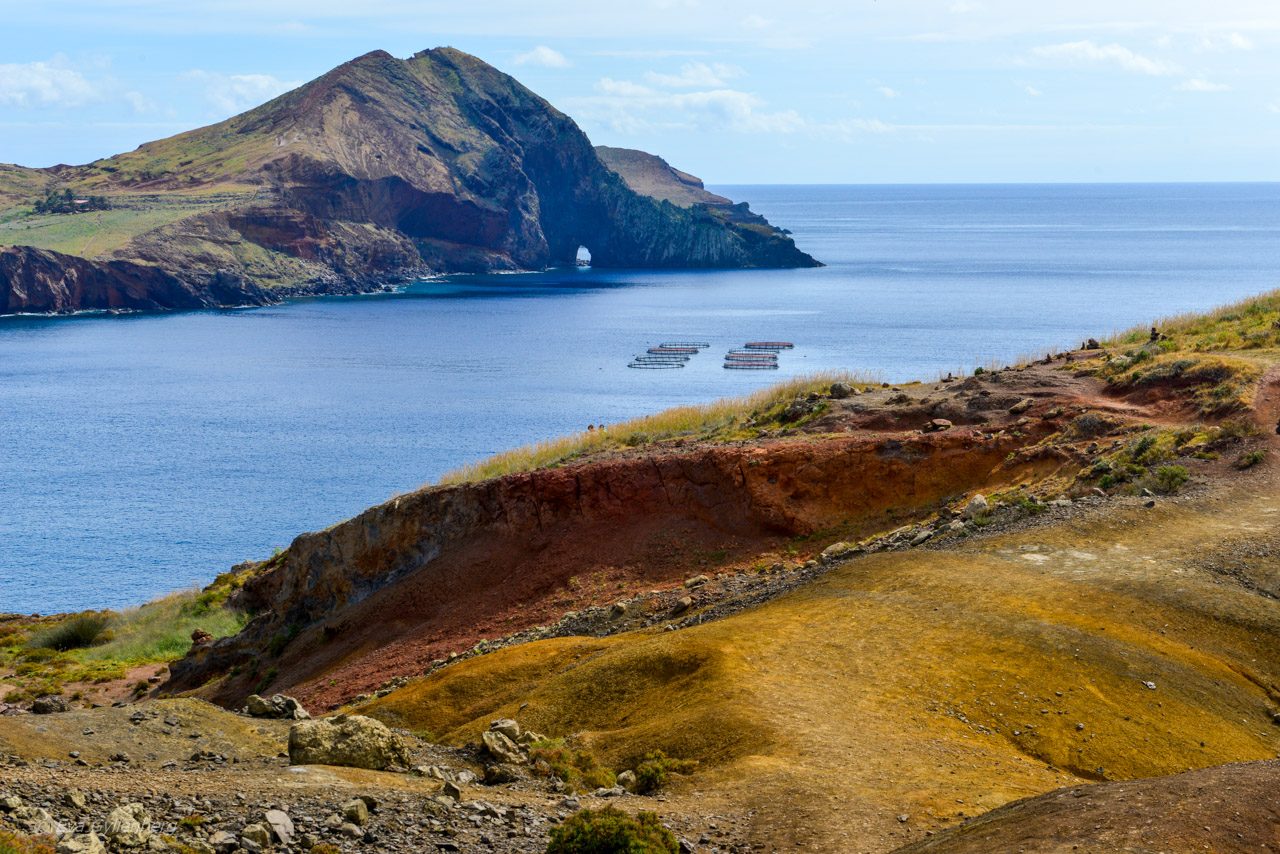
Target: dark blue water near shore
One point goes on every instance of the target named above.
(141, 454)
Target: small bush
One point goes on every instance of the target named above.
(78, 632)
(1249, 459)
(12, 843)
(612, 831)
(1171, 478)
(1090, 425)
(579, 769)
(652, 773)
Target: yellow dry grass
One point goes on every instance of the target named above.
(722, 420)
(1250, 324)
(931, 684)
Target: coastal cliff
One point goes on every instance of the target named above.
(37, 281)
(380, 169)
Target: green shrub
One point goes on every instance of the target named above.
(79, 632)
(612, 831)
(1249, 459)
(1171, 478)
(652, 773)
(579, 769)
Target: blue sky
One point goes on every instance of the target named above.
(737, 92)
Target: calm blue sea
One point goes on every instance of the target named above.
(141, 454)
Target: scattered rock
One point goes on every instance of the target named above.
(36, 821)
(977, 506)
(835, 551)
(937, 425)
(258, 834)
(356, 811)
(627, 780)
(82, 843)
(501, 748)
(352, 830)
(49, 704)
(223, 841)
(74, 798)
(452, 790)
(684, 603)
(128, 826)
(1021, 406)
(280, 824)
(350, 740)
(199, 637)
(507, 727)
(840, 391)
(696, 581)
(498, 773)
(279, 706)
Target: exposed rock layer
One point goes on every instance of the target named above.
(38, 281)
(439, 562)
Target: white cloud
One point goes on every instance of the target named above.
(628, 107)
(45, 84)
(543, 56)
(623, 88)
(756, 22)
(964, 7)
(888, 92)
(1215, 42)
(234, 93)
(139, 102)
(1032, 91)
(1199, 84)
(1274, 106)
(1090, 53)
(696, 75)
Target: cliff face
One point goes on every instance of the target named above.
(386, 167)
(385, 593)
(37, 281)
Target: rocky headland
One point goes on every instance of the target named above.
(380, 170)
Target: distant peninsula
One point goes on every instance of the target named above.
(380, 170)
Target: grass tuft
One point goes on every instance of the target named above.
(79, 632)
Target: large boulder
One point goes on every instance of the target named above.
(280, 824)
(49, 704)
(128, 826)
(977, 506)
(351, 740)
(502, 748)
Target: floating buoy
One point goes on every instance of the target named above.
(769, 345)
